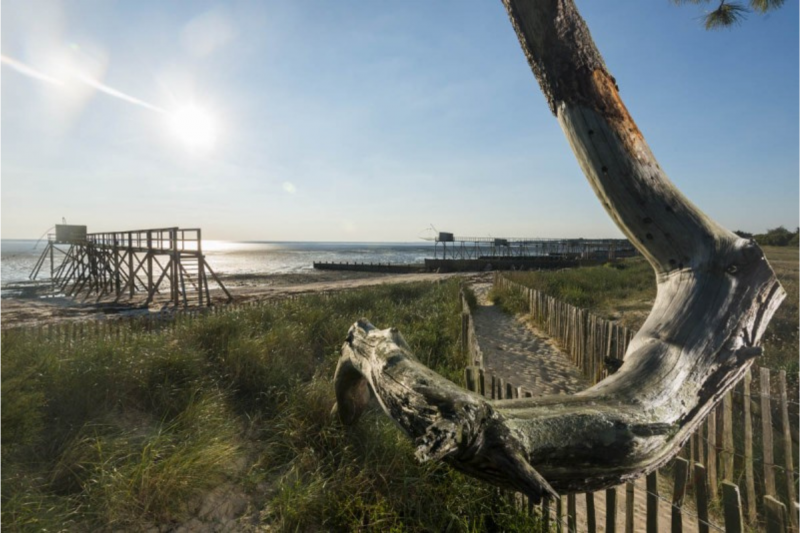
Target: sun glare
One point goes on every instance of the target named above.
(194, 126)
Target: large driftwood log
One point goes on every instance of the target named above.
(716, 294)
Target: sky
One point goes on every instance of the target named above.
(315, 120)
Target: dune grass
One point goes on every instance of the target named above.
(124, 434)
(622, 291)
(625, 292)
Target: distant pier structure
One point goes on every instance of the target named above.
(450, 246)
(167, 262)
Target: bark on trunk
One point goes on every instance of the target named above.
(716, 294)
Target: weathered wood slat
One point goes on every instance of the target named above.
(788, 451)
(727, 437)
(651, 482)
(591, 518)
(776, 515)
(611, 510)
(630, 510)
(572, 514)
(766, 432)
(711, 448)
(732, 505)
(546, 515)
(681, 479)
(750, 489)
(701, 497)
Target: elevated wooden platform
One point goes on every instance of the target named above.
(162, 261)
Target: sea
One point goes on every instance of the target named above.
(18, 257)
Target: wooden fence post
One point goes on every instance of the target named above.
(651, 482)
(611, 510)
(572, 518)
(465, 333)
(591, 519)
(748, 451)
(701, 495)
(629, 509)
(559, 515)
(546, 515)
(681, 475)
(776, 515)
(733, 508)
(727, 437)
(469, 375)
(711, 445)
(788, 451)
(766, 432)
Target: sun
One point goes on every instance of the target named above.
(194, 126)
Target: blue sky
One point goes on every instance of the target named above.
(369, 121)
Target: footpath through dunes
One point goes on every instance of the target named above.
(518, 353)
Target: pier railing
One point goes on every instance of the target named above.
(161, 239)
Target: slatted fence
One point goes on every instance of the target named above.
(740, 462)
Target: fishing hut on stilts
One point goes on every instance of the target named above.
(167, 263)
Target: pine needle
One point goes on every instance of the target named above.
(725, 16)
(762, 6)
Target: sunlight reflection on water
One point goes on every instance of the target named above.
(240, 258)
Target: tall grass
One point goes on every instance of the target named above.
(618, 291)
(122, 435)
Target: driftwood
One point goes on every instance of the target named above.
(716, 294)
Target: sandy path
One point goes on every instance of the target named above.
(514, 351)
(517, 352)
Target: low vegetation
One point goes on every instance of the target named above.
(625, 291)
(622, 291)
(131, 433)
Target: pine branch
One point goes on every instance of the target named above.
(762, 6)
(726, 15)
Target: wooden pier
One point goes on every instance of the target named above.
(450, 246)
(386, 268)
(167, 262)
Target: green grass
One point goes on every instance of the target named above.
(781, 340)
(625, 292)
(622, 291)
(125, 434)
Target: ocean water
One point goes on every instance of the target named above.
(18, 257)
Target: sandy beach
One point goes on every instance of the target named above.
(36, 308)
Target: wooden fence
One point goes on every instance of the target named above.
(736, 471)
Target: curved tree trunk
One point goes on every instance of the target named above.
(716, 294)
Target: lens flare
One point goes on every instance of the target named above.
(31, 72)
(194, 126)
